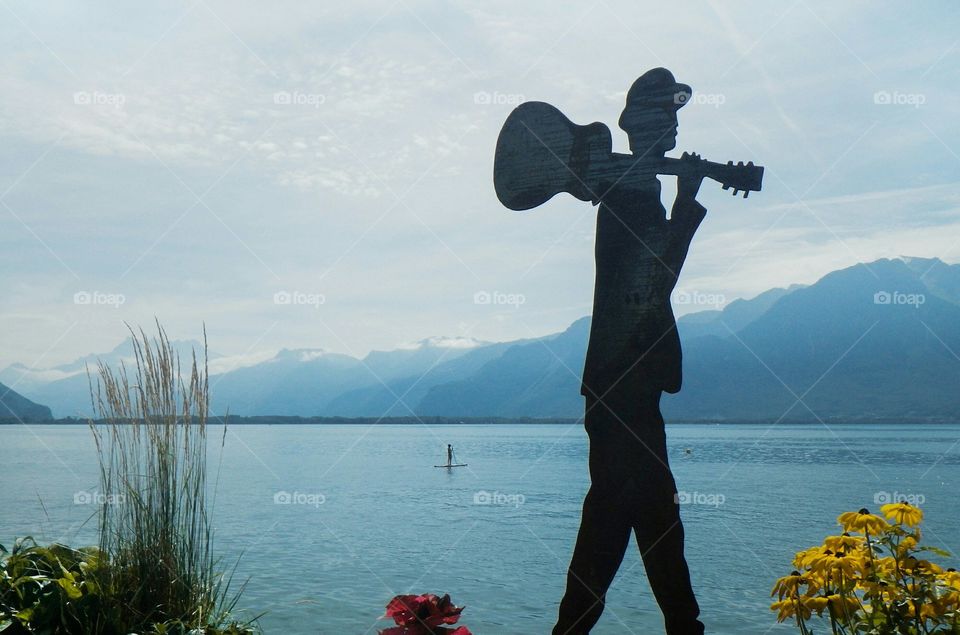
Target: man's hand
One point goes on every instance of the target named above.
(689, 184)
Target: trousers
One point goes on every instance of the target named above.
(632, 491)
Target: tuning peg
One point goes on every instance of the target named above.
(750, 163)
(746, 193)
(735, 192)
(729, 162)
(726, 187)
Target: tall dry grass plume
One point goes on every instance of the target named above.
(151, 438)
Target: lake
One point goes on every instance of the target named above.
(333, 520)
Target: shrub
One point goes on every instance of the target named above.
(53, 589)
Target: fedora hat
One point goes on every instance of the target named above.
(657, 87)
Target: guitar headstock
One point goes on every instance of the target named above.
(742, 177)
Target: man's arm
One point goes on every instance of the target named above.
(685, 217)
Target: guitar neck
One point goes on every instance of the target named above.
(738, 177)
(678, 167)
(741, 177)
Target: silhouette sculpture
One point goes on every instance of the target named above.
(633, 354)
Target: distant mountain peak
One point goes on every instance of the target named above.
(442, 341)
(918, 259)
(919, 264)
(299, 354)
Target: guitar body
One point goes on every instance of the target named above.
(541, 153)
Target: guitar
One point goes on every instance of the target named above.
(541, 153)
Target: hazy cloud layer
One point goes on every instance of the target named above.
(320, 176)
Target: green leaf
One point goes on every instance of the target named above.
(68, 585)
(25, 615)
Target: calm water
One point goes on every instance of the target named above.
(370, 517)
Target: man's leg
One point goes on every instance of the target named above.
(660, 537)
(601, 543)
(604, 532)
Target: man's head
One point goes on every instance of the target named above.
(650, 115)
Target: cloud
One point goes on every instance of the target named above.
(338, 149)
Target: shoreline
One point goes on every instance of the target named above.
(498, 421)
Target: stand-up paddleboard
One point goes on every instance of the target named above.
(451, 457)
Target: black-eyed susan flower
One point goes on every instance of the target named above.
(918, 567)
(844, 543)
(907, 544)
(862, 522)
(816, 604)
(804, 558)
(843, 604)
(849, 565)
(788, 585)
(789, 608)
(951, 578)
(903, 514)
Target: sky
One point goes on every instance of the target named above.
(319, 175)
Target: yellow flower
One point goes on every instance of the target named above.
(845, 543)
(788, 585)
(821, 560)
(803, 558)
(919, 567)
(951, 578)
(927, 610)
(847, 564)
(886, 593)
(885, 567)
(907, 544)
(787, 608)
(902, 513)
(843, 604)
(816, 604)
(862, 522)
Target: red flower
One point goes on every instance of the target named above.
(420, 630)
(423, 615)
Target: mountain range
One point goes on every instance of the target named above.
(874, 341)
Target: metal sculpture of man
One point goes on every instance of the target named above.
(634, 353)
